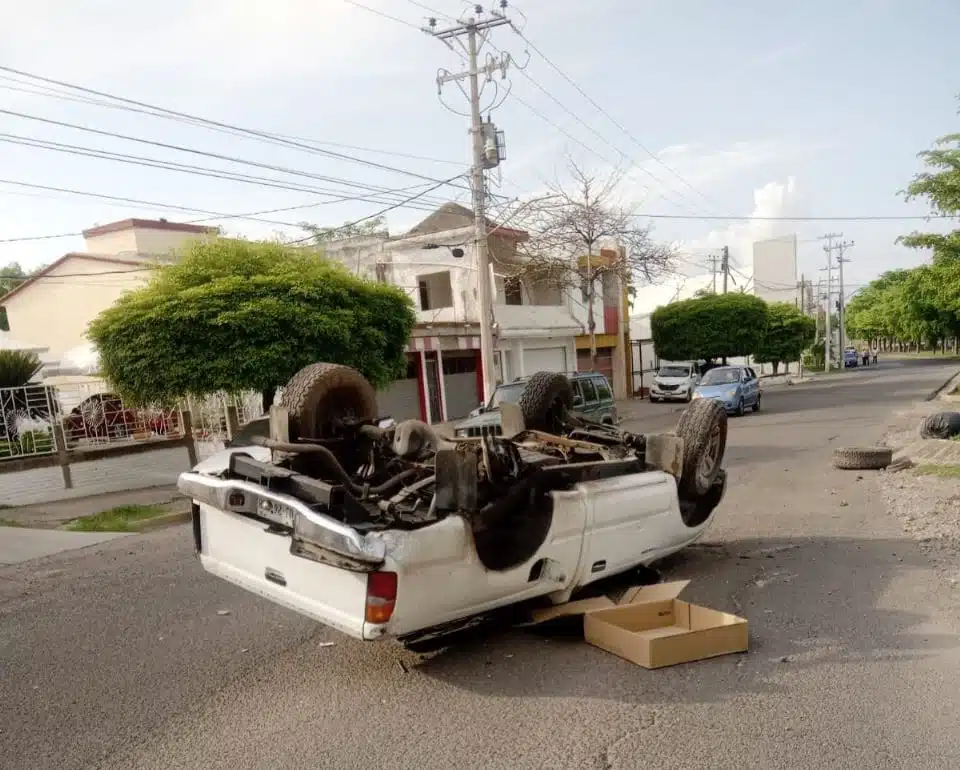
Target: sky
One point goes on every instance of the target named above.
(739, 109)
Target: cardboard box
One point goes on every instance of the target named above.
(651, 627)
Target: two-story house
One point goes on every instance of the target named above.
(436, 264)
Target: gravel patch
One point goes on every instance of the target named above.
(927, 506)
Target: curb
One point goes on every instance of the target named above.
(161, 522)
(937, 391)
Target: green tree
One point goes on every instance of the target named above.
(11, 276)
(371, 227)
(939, 185)
(716, 326)
(788, 332)
(236, 315)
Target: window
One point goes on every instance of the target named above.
(454, 364)
(577, 393)
(603, 388)
(512, 291)
(435, 290)
(589, 391)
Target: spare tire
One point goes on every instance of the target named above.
(703, 428)
(546, 401)
(941, 425)
(862, 458)
(319, 396)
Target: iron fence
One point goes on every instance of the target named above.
(27, 417)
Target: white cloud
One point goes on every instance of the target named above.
(774, 199)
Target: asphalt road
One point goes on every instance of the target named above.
(117, 656)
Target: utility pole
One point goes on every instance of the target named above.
(830, 248)
(486, 154)
(713, 269)
(841, 247)
(725, 266)
(828, 334)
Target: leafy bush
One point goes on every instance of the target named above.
(241, 315)
(715, 326)
(17, 368)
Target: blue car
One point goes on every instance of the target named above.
(736, 387)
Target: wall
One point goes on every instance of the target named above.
(775, 269)
(111, 474)
(55, 312)
(405, 262)
(142, 240)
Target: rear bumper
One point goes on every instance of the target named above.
(311, 530)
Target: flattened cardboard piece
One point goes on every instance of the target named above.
(580, 607)
(631, 595)
(653, 593)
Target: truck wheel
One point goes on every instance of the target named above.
(870, 458)
(319, 396)
(703, 428)
(546, 401)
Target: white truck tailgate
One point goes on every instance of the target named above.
(242, 551)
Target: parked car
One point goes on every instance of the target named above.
(674, 382)
(850, 357)
(392, 532)
(592, 397)
(736, 387)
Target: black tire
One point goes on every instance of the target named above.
(546, 401)
(869, 458)
(756, 406)
(689, 396)
(654, 400)
(740, 409)
(320, 395)
(703, 428)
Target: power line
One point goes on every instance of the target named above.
(288, 243)
(55, 94)
(608, 116)
(376, 214)
(180, 148)
(263, 135)
(148, 162)
(254, 216)
(858, 218)
(382, 14)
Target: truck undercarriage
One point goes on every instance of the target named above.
(328, 471)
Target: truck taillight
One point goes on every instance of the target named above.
(381, 596)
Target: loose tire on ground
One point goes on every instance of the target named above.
(703, 428)
(869, 458)
(320, 395)
(546, 401)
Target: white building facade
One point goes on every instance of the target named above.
(436, 265)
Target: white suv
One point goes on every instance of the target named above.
(675, 382)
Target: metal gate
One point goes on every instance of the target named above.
(643, 366)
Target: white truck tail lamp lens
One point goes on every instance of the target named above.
(381, 596)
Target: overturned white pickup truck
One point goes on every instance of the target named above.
(390, 531)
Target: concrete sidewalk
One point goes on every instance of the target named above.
(19, 545)
(55, 514)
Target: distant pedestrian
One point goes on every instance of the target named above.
(865, 355)
(875, 353)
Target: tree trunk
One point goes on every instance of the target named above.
(268, 397)
(776, 366)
